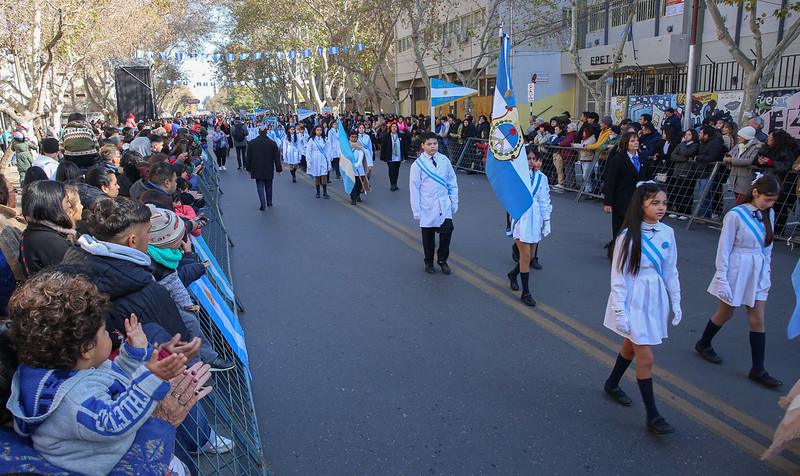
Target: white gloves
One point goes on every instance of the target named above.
(677, 315)
(546, 228)
(622, 322)
(725, 294)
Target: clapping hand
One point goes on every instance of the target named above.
(168, 367)
(133, 329)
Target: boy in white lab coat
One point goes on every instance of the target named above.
(434, 200)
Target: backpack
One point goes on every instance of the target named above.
(239, 134)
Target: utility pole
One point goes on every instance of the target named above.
(690, 73)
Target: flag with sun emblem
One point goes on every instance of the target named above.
(506, 163)
(443, 92)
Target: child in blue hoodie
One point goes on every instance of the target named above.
(81, 410)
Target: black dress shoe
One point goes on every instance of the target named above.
(269, 204)
(316, 196)
(659, 426)
(708, 353)
(528, 299)
(326, 196)
(352, 202)
(262, 208)
(294, 180)
(617, 394)
(512, 281)
(428, 267)
(445, 268)
(765, 379)
(358, 199)
(535, 264)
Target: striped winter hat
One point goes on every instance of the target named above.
(78, 140)
(166, 228)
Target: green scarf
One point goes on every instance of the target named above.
(165, 256)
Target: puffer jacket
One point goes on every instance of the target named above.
(130, 284)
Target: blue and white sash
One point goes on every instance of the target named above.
(436, 178)
(756, 227)
(321, 148)
(653, 254)
(536, 180)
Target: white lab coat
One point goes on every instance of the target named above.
(333, 144)
(366, 141)
(743, 263)
(358, 164)
(431, 203)
(316, 158)
(291, 151)
(646, 297)
(534, 224)
(303, 142)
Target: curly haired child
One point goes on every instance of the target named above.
(80, 409)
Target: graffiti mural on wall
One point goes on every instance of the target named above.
(786, 116)
(703, 106)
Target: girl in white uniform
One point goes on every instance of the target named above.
(531, 226)
(742, 278)
(644, 282)
(303, 136)
(333, 149)
(366, 141)
(318, 163)
(291, 151)
(359, 166)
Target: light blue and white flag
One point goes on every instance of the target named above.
(347, 163)
(443, 92)
(244, 56)
(202, 250)
(360, 47)
(334, 50)
(292, 54)
(223, 317)
(306, 53)
(506, 163)
(304, 113)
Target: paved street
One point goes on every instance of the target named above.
(364, 364)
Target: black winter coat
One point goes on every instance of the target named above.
(712, 150)
(40, 247)
(386, 147)
(621, 180)
(132, 289)
(263, 158)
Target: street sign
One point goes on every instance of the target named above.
(192, 101)
(531, 87)
(542, 77)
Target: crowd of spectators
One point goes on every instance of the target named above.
(103, 355)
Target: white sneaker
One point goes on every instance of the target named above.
(218, 444)
(673, 216)
(223, 168)
(683, 218)
(558, 186)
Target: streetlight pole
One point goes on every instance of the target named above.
(628, 82)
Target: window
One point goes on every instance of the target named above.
(404, 44)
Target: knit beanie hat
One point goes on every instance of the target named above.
(607, 120)
(78, 140)
(49, 145)
(166, 228)
(747, 133)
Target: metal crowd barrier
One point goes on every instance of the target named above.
(697, 192)
(229, 409)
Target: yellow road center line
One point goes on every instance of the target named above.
(728, 432)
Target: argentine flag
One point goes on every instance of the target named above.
(506, 163)
(347, 161)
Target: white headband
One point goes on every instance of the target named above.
(758, 176)
(639, 184)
